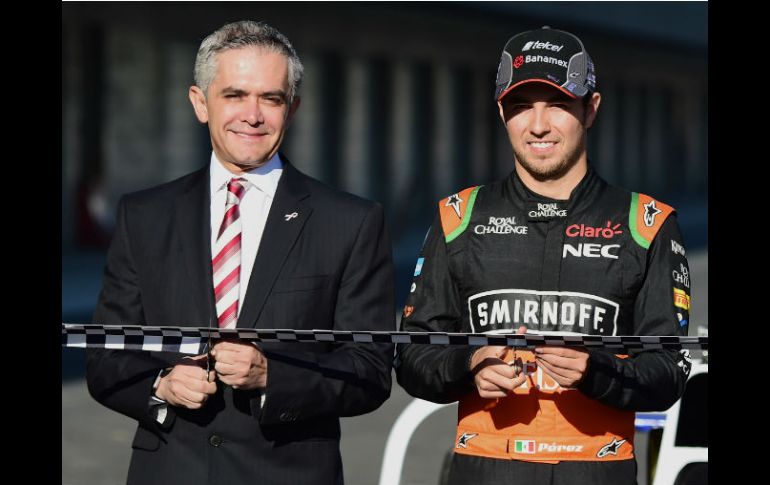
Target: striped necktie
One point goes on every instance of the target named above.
(226, 265)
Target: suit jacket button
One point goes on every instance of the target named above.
(215, 440)
(285, 417)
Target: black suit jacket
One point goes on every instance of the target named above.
(330, 267)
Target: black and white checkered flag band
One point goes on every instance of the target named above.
(192, 340)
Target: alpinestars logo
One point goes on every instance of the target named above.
(454, 202)
(610, 448)
(650, 211)
(684, 362)
(462, 441)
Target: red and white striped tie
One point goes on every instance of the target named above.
(226, 265)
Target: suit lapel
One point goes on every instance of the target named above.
(288, 214)
(193, 216)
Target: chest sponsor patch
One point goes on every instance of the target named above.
(542, 310)
(590, 250)
(500, 225)
(539, 211)
(608, 231)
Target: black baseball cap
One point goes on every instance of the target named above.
(546, 55)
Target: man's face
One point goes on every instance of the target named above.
(247, 107)
(547, 128)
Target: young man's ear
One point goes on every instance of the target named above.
(198, 100)
(592, 107)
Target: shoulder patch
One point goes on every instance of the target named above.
(456, 210)
(645, 218)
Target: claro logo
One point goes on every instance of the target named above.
(608, 231)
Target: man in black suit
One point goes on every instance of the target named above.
(247, 241)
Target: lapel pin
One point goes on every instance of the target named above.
(290, 216)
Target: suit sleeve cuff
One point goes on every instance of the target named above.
(460, 365)
(157, 407)
(598, 377)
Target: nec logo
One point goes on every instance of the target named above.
(547, 46)
(591, 250)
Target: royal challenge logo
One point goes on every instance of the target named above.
(681, 275)
(500, 225)
(545, 211)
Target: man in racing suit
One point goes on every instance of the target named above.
(551, 248)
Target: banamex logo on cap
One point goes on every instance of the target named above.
(517, 63)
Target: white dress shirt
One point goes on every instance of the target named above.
(255, 204)
(254, 208)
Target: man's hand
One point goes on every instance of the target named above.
(493, 377)
(186, 385)
(565, 365)
(240, 364)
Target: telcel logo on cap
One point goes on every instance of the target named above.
(536, 44)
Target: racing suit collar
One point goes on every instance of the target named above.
(581, 197)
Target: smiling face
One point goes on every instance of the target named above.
(547, 129)
(246, 107)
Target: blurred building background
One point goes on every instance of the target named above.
(397, 106)
(396, 102)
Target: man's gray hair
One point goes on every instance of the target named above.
(245, 33)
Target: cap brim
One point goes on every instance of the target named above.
(544, 81)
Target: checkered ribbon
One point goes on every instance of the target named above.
(192, 340)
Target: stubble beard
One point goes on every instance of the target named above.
(554, 171)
